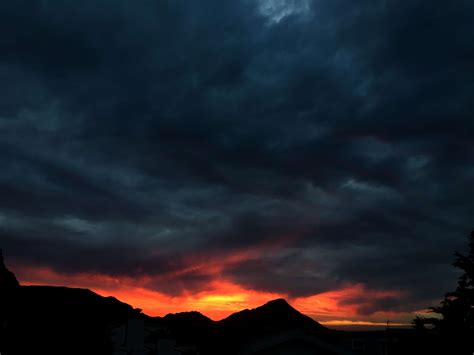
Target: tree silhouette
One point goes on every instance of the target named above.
(456, 324)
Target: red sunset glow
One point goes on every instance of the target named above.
(220, 298)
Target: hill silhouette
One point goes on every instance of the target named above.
(190, 327)
(238, 329)
(61, 320)
(272, 316)
(8, 279)
(56, 320)
(192, 318)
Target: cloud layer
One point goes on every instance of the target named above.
(290, 147)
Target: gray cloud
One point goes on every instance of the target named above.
(330, 136)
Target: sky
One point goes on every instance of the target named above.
(213, 155)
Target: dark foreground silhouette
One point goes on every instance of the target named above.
(61, 320)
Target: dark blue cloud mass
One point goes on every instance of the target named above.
(335, 136)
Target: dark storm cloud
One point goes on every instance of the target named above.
(334, 137)
(36, 185)
(52, 249)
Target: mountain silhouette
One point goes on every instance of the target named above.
(61, 320)
(272, 316)
(8, 280)
(9, 290)
(189, 327)
(191, 318)
(276, 317)
(211, 337)
(56, 320)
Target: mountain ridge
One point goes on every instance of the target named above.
(54, 317)
(274, 315)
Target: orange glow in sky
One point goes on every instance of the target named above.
(223, 297)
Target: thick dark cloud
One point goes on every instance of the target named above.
(332, 138)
